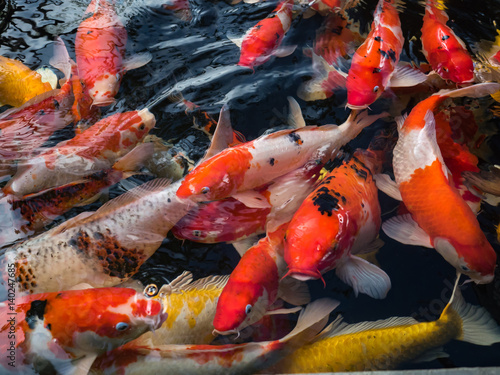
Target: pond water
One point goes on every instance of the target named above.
(197, 59)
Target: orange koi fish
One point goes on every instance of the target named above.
(63, 332)
(96, 148)
(102, 248)
(100, 52)
(341, 217)
(443, 49)
(18, 83)
(255, 163)
(246, 358)
(439, 218)
(263, 40)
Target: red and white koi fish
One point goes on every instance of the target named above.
(255, 163)
(443, 49)
(263, 40)
(246, 358)
(439, 218)
(100, 52)
(101, 248)
(95, 149)
(64, 332)
(340, 218)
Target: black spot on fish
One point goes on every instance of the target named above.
(36, 312)
(344, 201)
(445, 37)
(337, 30)
(378, 38)
(89, 32)
(295, 138)
(271, 161)
(376, 70)
(169, 200)
(56, 104)
(42, 112)
(325, 201)
(49, 326)
(389, 54)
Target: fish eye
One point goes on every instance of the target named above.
(151, 290)
(117, 76)
(205, 190)
(375, 89)
(141, 127)
(248, 309)
(464, 268)
(196, 233)
(122, 326)
(445, 69)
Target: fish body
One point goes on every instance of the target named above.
(96, 148)
(443, 49)
(102, 248)
(214, 359)
(255, 163)
(263, 40)
(190, 307)
(439, 217)
(341, 217)
(374, 62)
(386, 344)
(18, 83)
(60, 330)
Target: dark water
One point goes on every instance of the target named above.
(197, 59)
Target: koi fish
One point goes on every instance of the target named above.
(255, 163)
(263, 40)
(32, 212)
(439, 218)
(443, 49)
(487, 181)
(341, 217)
(18, 83)
(101, 248)
(100, 52)
(190, 307)
(96, 148)
(386, 344)
(180, 8)
(246, 358)
(62, 332)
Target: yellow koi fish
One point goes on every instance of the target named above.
(190, 307)
(385, 344)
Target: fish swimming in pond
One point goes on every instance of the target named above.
(439, 218)
(63, 332)
(245, 358)
(442, 48)
(386, 344)
(180, 8)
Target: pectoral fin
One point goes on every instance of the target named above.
(404, 229)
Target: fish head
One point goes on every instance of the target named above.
(98, 320)
(459, 69)
(217, 177)
(478, 261)
(134, 126)
(240, 305)
(105, 88)
(364, 87)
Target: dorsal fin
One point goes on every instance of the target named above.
(180, 282)
(223, 135)
(295, 117)
(209, 282)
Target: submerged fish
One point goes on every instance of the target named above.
(386, 344)
(63, 332)
(214, 359)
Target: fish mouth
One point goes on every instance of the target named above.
(216, 332)
(486, 279)
(304, 275)
(357, 107)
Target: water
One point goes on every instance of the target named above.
(197, 59)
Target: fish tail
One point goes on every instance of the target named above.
(311, 321)
(477, 325)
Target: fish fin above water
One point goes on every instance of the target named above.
(137, 60)
(283, 311)
(223, 135)
(252, 199)
(236, 40)
(135, 159)
(294, 292)
(387, 185)
(364, 277)
(284, 51)
(407, 76)
(431, 355)
(243, 245)
(404, 229)
(295, 117)
(208, 283)
(180, 282)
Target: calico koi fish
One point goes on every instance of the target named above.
(439, 218)
(100, 52)
(263, 40)
(62, 332)
(341, 217)
(443, 49)
(96, 148)
(386, 344)
(101, 248)
(246, 358)
(18, 83)
(255, 163)
(190, 307)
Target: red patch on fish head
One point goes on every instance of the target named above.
(135, 126)
(478, 261)
(459, 69)
(217, 177)
(363, 87)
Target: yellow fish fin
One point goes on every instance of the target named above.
(208, 283)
